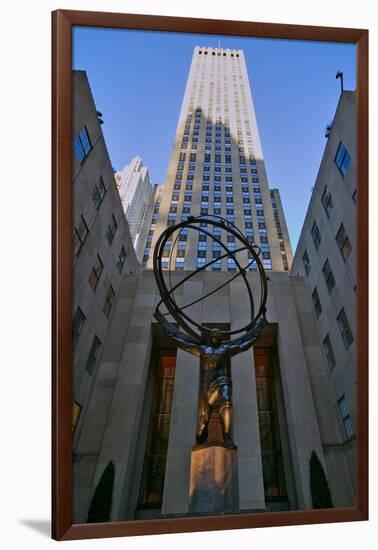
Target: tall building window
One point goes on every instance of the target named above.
(327, 201)
(343, 242)
(155, 460)
(77, 325)
(93, 355)
(95, 273)
(108, 301)
(344, 328)
(76, 410)
(342, 159)
(231, 265)
(82, 145)
(80, 233)
(273, 471)
(201, 262)
(179, 265)
(98, 193)
(328, 350)
(121, 259)
(328, 276)
(112, 228)
(316, 302)
(315, 233)
(345, 416)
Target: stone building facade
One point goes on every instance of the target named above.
(103, 252)
(326, 259)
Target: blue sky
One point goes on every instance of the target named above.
(138, 80)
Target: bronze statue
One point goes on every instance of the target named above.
(213, 346)
(215, 392)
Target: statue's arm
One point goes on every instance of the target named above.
(239, 347)
(247, 341)
(189, 347)
(182, 341)
(185, 343)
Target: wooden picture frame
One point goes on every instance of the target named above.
(63, 22)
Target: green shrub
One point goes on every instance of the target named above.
(101, 504)
(320, 493)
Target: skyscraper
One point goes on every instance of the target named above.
(136, 192)
(217, 167)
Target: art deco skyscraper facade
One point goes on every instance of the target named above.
(217, 167)
(136, 192)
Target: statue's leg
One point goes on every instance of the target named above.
(203, 417)
(226, 415)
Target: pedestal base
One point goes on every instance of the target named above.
(213, 480)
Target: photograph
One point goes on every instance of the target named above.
(216, 320)
(164, 422)
(188, 266)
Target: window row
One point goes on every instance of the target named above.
(342, 320)
(81, 232)
(342, 240)
(219, 54)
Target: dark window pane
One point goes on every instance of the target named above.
(93, 355)
(77, 325)
(112, 228)
(344, 328)
(108, 301)
(80, 233)
(328, 276)
(316, 302)
(95, 273)
(343, 242)
(121, 259)
(329, 352)
(315, 235)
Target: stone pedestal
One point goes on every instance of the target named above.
(213, 480)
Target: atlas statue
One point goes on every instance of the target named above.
(213, 346)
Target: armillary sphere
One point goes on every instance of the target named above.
(199, 332)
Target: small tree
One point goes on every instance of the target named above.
(101, 505)
(320, 493)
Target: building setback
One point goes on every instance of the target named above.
(103, 253)
(281, 227)
(136, 193)
(142, 411)
(326, 259)
(217, 166)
